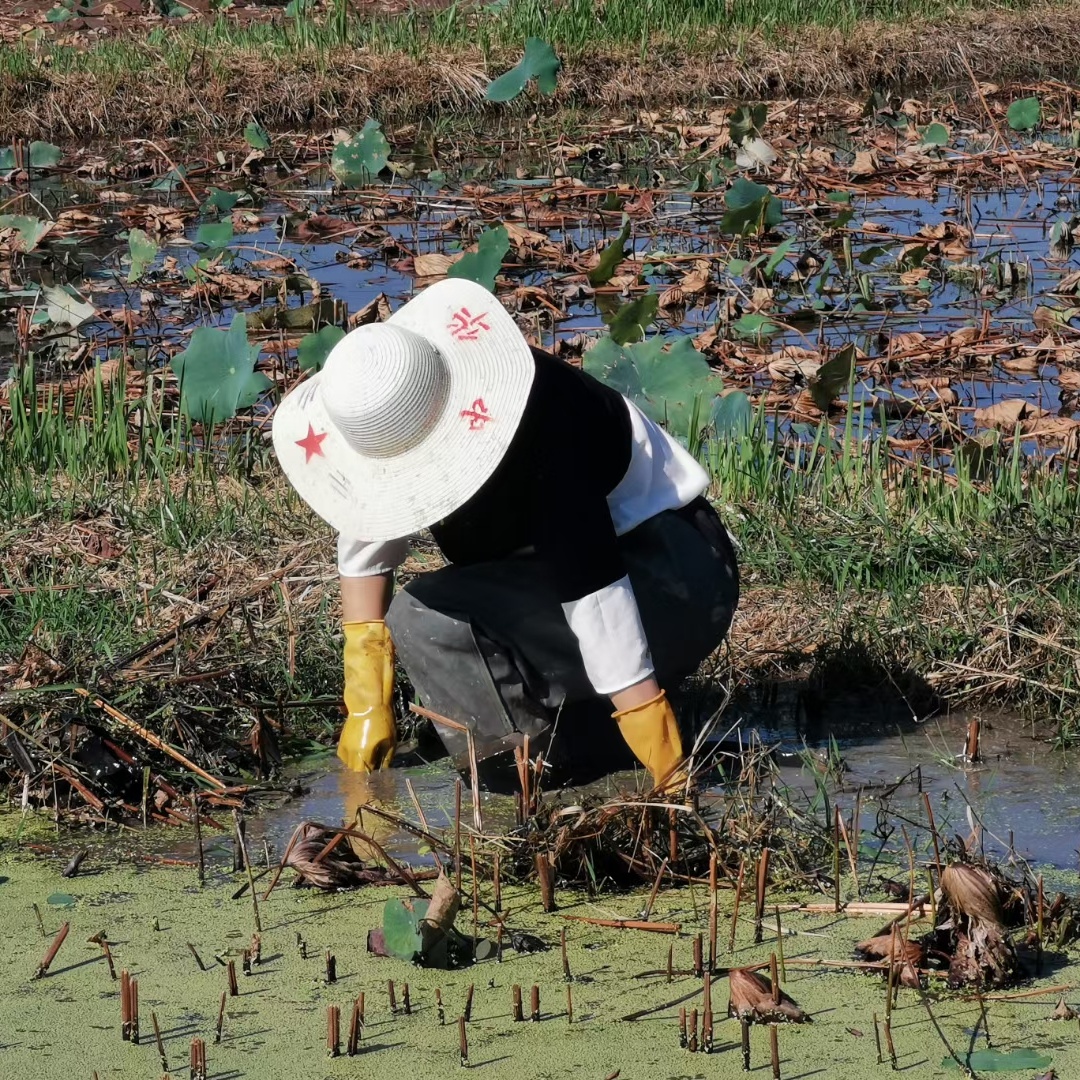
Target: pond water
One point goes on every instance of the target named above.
(932, 256)
(1023, 795)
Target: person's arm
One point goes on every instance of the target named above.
(366, 599)
(635, 695)
(366, 573)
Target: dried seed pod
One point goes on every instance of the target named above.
(1062, 1011)
(752, 1000)
(973, 893)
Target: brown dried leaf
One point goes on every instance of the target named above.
(697, 279)
(1062, 1011)
(1024, 363)
(275, 264)
(672, 298)
(944, 230)
(100, 545)
(433, 264)
(444, 905)
(1050, 427)
(865, 163)
(523, 237)
(884, 945)
(794, 364)
(752, 999)
(77, 219)
(1070, 283)
(1005, 415)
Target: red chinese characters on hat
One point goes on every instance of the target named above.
(465, 326)
(477, 414)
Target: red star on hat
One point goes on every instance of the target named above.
(311, 443)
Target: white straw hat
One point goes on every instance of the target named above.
(407, 418)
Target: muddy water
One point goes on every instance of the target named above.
(1023, 795)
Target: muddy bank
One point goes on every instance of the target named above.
(68, 1023)
(187, 87)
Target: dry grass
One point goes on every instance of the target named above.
(1005, 642)
(221, 90)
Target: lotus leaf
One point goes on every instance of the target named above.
(539, 63)
(359, 160)
(217, 373)
(483, 264)
(663, 383)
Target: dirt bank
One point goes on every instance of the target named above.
(158, 88)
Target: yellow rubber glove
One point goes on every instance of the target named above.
(651, 732)
(368, 739)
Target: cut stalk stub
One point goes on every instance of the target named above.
(333, 1031)
(516, 996)
(133, 1016)
(463, 1041)
(198, 1059)
(107, 953)
(331, 967)
(534, 1002)
(54, 948)
(234, 989)
(547, 881)
(353, 1044)
(125, 1006)
(158, 1041)
(468, 1003)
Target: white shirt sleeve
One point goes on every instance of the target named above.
(608, 627)
(365, 558)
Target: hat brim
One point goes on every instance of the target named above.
(491, 371)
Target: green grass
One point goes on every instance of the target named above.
(874, 544)
(915, 569)
(103, 464)
(572, 26)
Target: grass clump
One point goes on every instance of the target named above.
(961, 579)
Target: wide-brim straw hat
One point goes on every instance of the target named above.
(408, 418)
